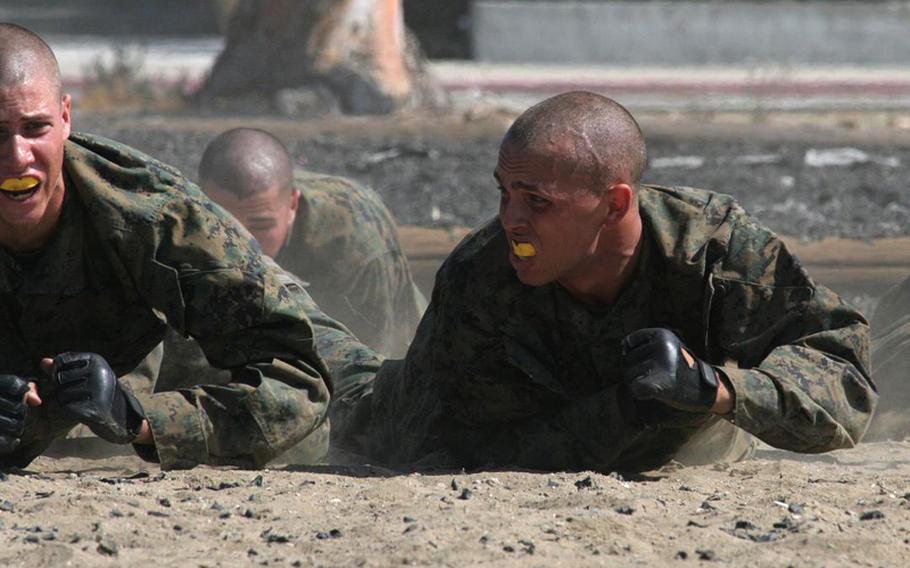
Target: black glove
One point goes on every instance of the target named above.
(12, 411)
(658, 366)
(89, 391)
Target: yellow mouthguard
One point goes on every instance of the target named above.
(19, 184)
(523, 250)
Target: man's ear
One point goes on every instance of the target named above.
(620, 198)
(66, 117)
(294, 205)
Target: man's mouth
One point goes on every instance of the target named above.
(523, 250)
(20, 188)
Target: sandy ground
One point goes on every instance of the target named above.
(847, 508)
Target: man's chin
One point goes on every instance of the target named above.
(530, 278)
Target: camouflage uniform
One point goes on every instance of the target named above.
(504, 374)
(139, 248)
(344, 244)
(891, 362)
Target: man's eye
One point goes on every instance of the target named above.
(537, 200)
(37, 127)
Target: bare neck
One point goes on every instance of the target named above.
(600, 280)
(22, 240)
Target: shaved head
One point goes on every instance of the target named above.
(25, 57)
(584, 134)
(246, 162)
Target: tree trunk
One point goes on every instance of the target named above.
(357, 50)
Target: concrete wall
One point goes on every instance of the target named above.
(132, 18)
(693, 33)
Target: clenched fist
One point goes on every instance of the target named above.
(89, 391)
(657, 366)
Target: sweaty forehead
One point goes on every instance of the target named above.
(539, 165)
(26, 67)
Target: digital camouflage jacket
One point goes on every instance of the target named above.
(344, 244)
(503, 374)
(139, 248)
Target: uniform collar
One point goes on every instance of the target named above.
(683, 221)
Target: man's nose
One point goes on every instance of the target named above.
(512, 215)
(16, 153)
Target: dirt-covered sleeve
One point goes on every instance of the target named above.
(795, 353)
(211, 282)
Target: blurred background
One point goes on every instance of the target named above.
(800, 109)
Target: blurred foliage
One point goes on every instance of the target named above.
(118, 84)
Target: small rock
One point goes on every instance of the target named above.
(249, 514)
(32, 538)
(216, 506)
(157, 514)
(870, 515)
(178, 528)
(224, 515)
(681, 555)
(705, 554)
(786, 523)
(164, 502)
(7, 506)
(767, 537)
(271, 537)
(334, 533)
(796, 508)
(508, 548)
(108, 547)
(258, 481)
(553, 484)
(707, 506)
(454, 485)
(466, 494)
(484, 539)
(624, 510)
(744, 525)
(409, 528)
(3, 476)
(407, 519)
(586, 483)
(116, 513)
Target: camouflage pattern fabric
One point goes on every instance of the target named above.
(344, 244)
(891, 363)
(350, 363)
(139, 249)
(344, 248)
(503, 374)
